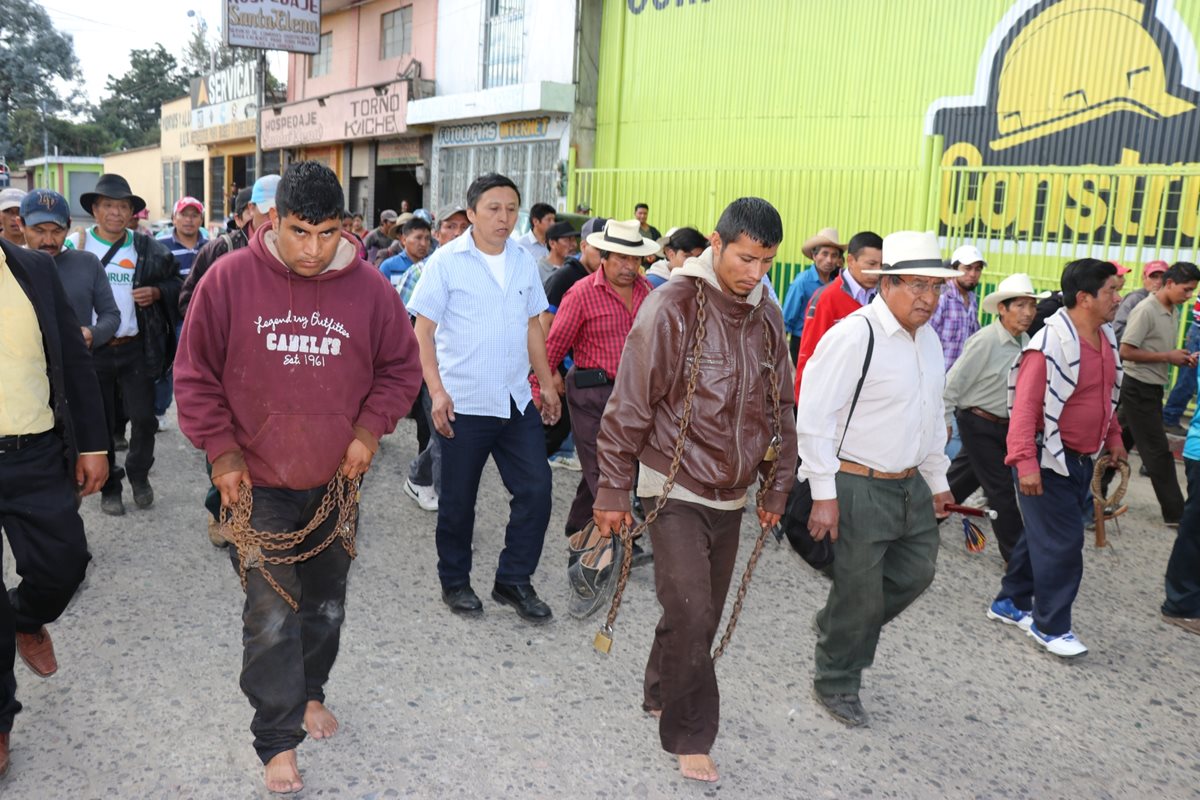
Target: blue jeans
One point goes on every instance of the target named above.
(1185, 383)
(518, 446)
(954, 443)
(1183, 568)
(1046, 566)
(426, 468)
(164, 387)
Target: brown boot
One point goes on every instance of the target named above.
(214, 534)
(3, 754)
(37, 651)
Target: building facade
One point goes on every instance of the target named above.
(1039, 130)
(70, 176)
(505, 97)
(142, 167)
(184, 163)
(348, 104)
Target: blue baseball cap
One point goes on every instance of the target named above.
(43, 205)
(263, 193)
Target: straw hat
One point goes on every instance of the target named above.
(1017, 285)
(623, 237)
(826, 237)
(913, 253)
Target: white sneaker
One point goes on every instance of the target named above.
(1063, 646)
(424, 496)
(566, 462)
(164, 423)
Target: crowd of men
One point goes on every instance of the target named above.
(658, 366)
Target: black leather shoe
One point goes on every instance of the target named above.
(845, 708)
(524, 599)
(143, 493)
(111, 503)
(463, 600)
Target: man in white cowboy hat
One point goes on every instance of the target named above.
(977, 396)
(145, 282)
(957, 316)
(591, 323)
(731, 443)
(879, 478)
(826, 251)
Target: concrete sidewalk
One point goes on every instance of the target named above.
(146, 702)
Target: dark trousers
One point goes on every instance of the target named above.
(587, 407)
(519, 448)
(39, 515)
(695, 548)
(1047, 564)
(794, 348)
(287, 656)
(981, 463)
(1141, 416)
(418, 415)
(1183, 568)
(884, 557)
(1185, 381)
(123, 367)
(557, 433)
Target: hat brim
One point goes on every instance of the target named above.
(38, 217)
(88, 199)
(991, 303)
(927, 272)
(820, 241)
(597, 240)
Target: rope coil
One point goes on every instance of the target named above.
(254, 547)
(627, 536)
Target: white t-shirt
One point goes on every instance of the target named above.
(496, 265)
(120, 278)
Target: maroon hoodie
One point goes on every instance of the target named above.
(285, 371)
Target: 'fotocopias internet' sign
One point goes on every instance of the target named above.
(291, 25)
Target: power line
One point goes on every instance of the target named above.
(85, 19)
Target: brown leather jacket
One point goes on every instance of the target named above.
(732, 416)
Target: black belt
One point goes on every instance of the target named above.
(10, 443)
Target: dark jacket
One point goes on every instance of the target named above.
(214, 249)
(156, 323)
(74, 390)
(731, 421)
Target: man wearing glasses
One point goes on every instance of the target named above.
(879, 477)
(957, 314)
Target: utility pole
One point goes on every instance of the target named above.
(261, 73)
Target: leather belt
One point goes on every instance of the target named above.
(990, 417)
(10, 443)
(117, 341)
(854, 468)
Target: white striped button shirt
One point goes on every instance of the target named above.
(482, 328)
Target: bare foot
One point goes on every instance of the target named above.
(698, 768)
(318, 721)
(655, 712)
(282, 774)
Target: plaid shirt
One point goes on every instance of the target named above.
(954, 321)
(408, 281)
(592, 323)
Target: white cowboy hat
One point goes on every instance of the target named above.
(623, 237)
(913, 253)
(826, 237)
(1017, 285)
(967, 254)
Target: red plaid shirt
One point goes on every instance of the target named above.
(592, 323)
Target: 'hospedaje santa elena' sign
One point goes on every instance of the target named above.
(291, 25)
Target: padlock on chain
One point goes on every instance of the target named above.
(603, 640)
(773, 449)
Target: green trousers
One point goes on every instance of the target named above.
(884, 557)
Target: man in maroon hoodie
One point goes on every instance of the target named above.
(295, 359)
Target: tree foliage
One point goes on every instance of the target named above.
(33, 57)
(133, 106)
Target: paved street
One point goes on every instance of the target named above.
(146, 702)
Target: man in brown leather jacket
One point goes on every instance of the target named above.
(735, 430)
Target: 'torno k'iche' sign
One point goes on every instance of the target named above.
(291, 25)
(360, 114)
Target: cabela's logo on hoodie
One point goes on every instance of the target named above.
(314, 340)
(1110, 83)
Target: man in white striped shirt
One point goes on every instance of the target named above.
(477, 309)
